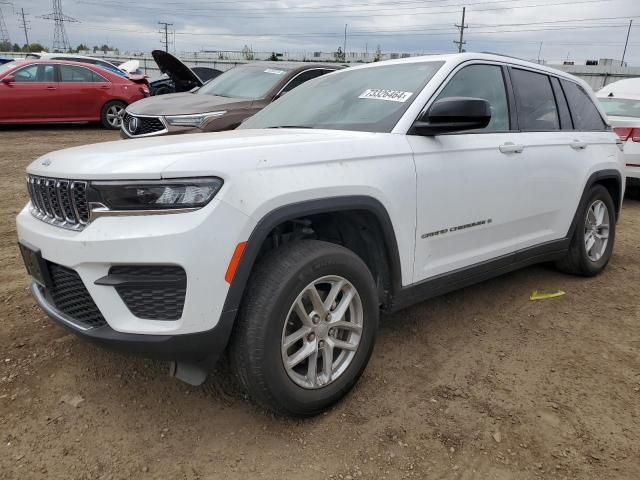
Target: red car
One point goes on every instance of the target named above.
(43, 91)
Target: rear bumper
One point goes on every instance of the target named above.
(195, 347)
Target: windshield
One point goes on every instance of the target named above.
(244, 82)
(368, 99)
(621, 107)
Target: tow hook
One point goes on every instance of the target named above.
(192, 373)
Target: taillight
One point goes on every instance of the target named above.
(625, 133)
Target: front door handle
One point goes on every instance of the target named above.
(51, 88)
(578, 145)
(511, 147)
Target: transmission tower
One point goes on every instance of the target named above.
(60, 39)
(4, 33)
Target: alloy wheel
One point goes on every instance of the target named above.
(596, 230)
(322, 332)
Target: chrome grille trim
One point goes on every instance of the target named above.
(59, 202)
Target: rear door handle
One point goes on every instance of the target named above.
(578, 145)
(511, 147)
(51, 88)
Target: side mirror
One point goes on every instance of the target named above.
(453, 114)
(9, 79)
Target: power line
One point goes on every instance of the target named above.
(242, 13)
(462, 26)
(60, 39)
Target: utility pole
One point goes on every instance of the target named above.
(24, 25)
(166, 34)
(624, 53)
(539, 52)
(462, 26)
(344, 50)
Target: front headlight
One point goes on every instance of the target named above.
(196, 120)
(188, 193)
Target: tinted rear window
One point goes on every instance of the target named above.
(535, 102)
(585, 114)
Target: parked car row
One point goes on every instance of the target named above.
(366, 189)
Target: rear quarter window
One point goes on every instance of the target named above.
(583, 111)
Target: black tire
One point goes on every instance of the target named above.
(107, 111)
(255, 350)
(577, 261)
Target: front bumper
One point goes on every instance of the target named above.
(194, 347)
(194, 241)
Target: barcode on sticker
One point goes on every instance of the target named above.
(390, 95)
(275, 72)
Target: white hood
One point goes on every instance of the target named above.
(197, 154)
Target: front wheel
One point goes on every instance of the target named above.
(306, 328)
(112, 113)
(592, 242)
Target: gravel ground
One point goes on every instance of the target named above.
(479, 384)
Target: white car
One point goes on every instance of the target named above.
(621, 102)
(371, 188)
(127, 68)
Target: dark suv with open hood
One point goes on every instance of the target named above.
(221, 104)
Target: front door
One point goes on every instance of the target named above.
(32, 97)
(470, 208)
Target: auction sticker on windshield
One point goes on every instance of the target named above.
(275, 72)
(390, 95)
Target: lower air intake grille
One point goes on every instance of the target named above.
(152, 292)
(71, 297)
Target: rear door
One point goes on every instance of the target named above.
(84, 92)
(554, 155)
(33, 96)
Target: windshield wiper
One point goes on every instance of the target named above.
(292, 126)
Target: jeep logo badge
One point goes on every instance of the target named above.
(46, 163)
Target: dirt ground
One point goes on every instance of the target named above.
(479, 384)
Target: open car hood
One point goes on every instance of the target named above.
(175, 69)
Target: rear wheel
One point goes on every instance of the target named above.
(592, 242)
(112, 114)
(306, 328)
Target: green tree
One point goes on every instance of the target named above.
(274, 57)
(5, 46)
(16, 48)
(34, 47)
(81, 47)
(339, 55)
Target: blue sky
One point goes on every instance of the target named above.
(579, 29)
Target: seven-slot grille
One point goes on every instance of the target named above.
(137, 126)
(58, 201)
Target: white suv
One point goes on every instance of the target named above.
(370, 188)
